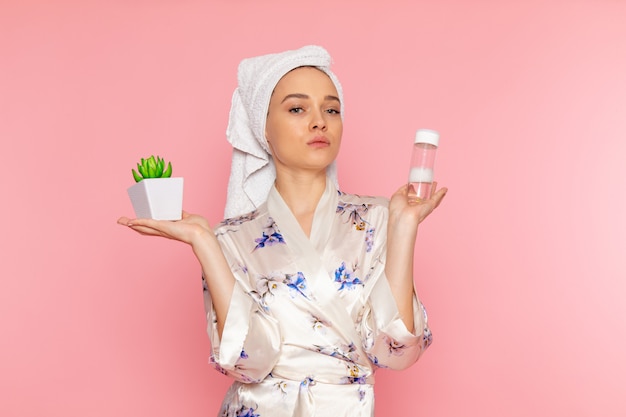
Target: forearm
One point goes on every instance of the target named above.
(399, 268)
(217, 273)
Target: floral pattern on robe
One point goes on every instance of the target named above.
(311, 318)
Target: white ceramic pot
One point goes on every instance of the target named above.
(157, 198)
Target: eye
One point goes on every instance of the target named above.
(296, 110)
(333, 111)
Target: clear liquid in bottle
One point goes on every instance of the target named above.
(420, 183)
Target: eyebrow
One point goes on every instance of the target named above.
(304, 96)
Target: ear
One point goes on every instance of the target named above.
(269, 145)
(267, 137)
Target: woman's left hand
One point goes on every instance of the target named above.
(402, 210)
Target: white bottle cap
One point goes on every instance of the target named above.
(427, 136)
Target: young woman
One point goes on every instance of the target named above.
(308, 290)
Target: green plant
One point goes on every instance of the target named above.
(153, 167)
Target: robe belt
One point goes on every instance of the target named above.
(288, 373)
(305, 404)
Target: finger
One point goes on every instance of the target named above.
(433, 189)
(145, 224)
(438, 196)
(150, 227)
(144, 230)
(123, 221)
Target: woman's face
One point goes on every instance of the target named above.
(304, 126)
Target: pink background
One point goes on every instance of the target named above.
(522, 268)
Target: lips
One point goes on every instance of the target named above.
(319, 141)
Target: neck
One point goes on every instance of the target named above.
(301, 193)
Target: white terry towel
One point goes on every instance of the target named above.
(252, 172)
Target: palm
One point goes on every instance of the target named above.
(184, 230)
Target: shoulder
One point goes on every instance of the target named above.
(242, 221)
(369, 209)
(357, 199)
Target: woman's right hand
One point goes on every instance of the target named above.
(190, 228)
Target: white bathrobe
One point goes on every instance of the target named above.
(311, 318)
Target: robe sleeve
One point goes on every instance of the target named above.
(250, 342)
(386, 339)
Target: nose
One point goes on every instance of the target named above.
(318, 120)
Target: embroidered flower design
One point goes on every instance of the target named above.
(306, 382)
(241, 267)
(240, 370)
(326, 350)
(356, 213)
(346, 278)
(376, 362)
(319, 324)
(427, 338)
(369, 239)
(297, 284)
(281, 386)
(345, 352)
(246, 412)
(269, 236)
(266, 288)
(235, 221)
(356, 375)
(268, 240)
(361, 394)
(349, 351)
(216, 365)
(395, 348)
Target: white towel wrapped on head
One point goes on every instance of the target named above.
(252, 171)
